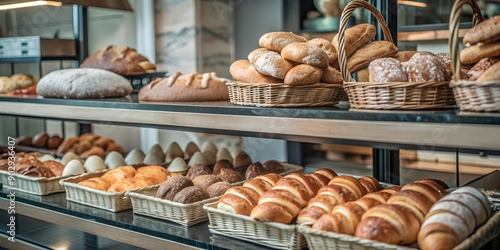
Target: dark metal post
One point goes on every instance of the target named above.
(389, 10)
(386, 165)
(80, 29)
(294, 152)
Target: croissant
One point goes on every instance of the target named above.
(130, 184)
(118, 174)
(96, 183)
(157, 174)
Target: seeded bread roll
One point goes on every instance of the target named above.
(303, 74)
(244, 71)
(204, 181)
(276, 41)
(218, 188)
(269, 63)
(198, 169)
(169, 188)
(491, 74)
(305, 53)
(191, 195)
(479, 68)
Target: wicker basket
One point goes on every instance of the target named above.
(281, 95)
(144, 203)
(269, 234)
(470, 95)
(33, 185)
(328, 240)
(109, 201)
(392, 95)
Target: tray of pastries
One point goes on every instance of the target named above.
(180, 199)
(106, 189)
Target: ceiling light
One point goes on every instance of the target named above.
(28, 4)
(413, 3)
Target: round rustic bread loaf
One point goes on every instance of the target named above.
(83, 83)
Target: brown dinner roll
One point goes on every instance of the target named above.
(24, 140)
(255, 170)
(306, 53)
(273, 166)
(244, 71)
(371, 51)
(221, 164)
(230, 175)
(491, 74)
(40, 140)
(331, 75)
(54, 142)
(197, 170)
(205, 180)
(327, 47)
(303, 74)
(169, 188)
(485, 32)
(480, 51)
(67, 144)
(218, 188)
(269, 63)
(191, 195)
(241, 162)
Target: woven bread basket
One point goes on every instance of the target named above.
(470, 95)
(391, 95)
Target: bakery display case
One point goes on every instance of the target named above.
(81, 222)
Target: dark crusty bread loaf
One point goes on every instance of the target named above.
(122, 60)
(183, 88)
(83, 83)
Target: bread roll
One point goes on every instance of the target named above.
(183, 88)
(191, 194)
(270, 178)
(254, 170)
(218, 188)
(327, 47)
(156, 173)
(479, 68)
(169, 188)
(67, 144)
(198, 169)
(485, 32)
(391, 190)
(269, 63)
(389, 223)
(96, 183)
(40, 140)
(491, 74)
(222, 164)
(258, 185)
(238, 200)
(386, 70)
(83, 83)
(204, 181)
(371, 51)
(321, 179)
(305, 53)
(417, 202)
(351, 183)
(345, 218)
(241, 162)
(130, 184)
(54, 141)
(480, 51)
(331, 75)
(230, 175)
(278, 40)
(404, 56)
(355, 37)
(118, 174)
(330, 174)
(273, 166)
(244, 71)
(369, 183)
(432, 194)
(438, 185)
(303, 74)
(54, 166)
(424, 67)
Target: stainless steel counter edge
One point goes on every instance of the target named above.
(473, 136)
(103, 230)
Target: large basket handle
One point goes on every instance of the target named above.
(344, 20)
(456, 12)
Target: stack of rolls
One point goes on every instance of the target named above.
(454, 218)
(285, 57)
(483, 49)
(339, 190)
(283, 202)
(398, 221)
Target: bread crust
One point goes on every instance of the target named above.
(268, 62)
(491, 74)
(306, 53)
(474, 54)
(184, 88)
(331, 75)
(485, 32)
(479, 68)
(327, 47)
(355, 37)
(122, 60)
(303, 74)
(371, 51)
(386, 69)
(276, 41)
